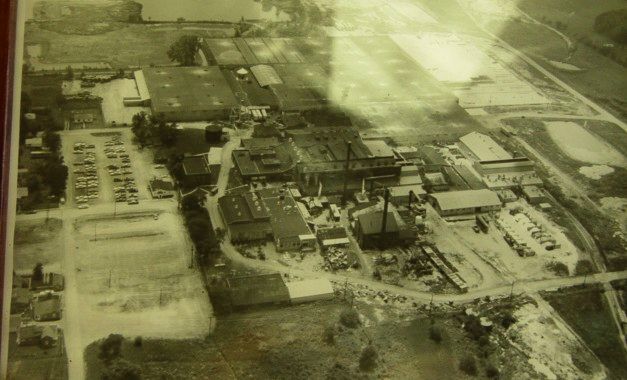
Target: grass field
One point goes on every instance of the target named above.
(133, 45)
(38, 242)
(601, 78)
(586, 311)
(535, 133)
(275, 344)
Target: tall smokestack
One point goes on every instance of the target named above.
(346, 168)
(384, 220)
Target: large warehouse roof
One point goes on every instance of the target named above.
(188, 89)
(266, 75)
(456, 200)
(484, 147)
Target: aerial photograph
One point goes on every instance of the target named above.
(319, 189)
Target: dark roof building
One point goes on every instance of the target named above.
(262, 289)
(196, 171)
(368, 229)
(267, 213)
(188, 93)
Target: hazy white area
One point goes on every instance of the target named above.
(582, 145)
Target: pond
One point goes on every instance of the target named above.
(210, 10)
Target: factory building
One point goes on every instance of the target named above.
(464, 202)
(186, 93)
(268, 213)
(321, 155)
(479, 147)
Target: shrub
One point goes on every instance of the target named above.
(368, 358)
(435, 334)
(492, 372)
(583, 267)
(468, 365)
(558, 268)
(138, 341)
(121, 370)
(110, 347)
(507, 319)
(473, 327)
(329, 335)
(350, 318)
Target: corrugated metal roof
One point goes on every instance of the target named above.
(454, 200)
(266, 75)
(484, 147)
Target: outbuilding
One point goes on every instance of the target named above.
(310, 290)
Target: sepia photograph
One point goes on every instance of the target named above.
(315, 189)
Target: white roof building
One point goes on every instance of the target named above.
(483, 148)
(466, 201)
(310, 290)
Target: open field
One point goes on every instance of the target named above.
(130, 46)
(133, 277)
(38, 242)
(600, 78)
(582, 145)
(272, 344)
(535, 133)
(586, 310)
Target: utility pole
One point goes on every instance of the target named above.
(95, 236)
(346, 169)
(109, 278)
(511, 291)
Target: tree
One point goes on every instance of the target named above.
(52, 140)
(468, 365)
(583, 267)
(54, 173)
(69, 73)
(368, 358)
(140, 128)
(167, 133)
(121, 370)
(350, 318)
(38, 274)
(110, 347)
(435, 334)
(184, 50)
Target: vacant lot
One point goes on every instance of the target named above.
(133, 277)
(601, 78)
(272, 344)
(38, 242)
(610, 184)
(586, 311)
(131, 46)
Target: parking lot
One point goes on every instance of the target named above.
(106, 167)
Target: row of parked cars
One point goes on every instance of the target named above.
(86, 180)
(124, 188)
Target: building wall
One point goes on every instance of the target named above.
(464, 211)
(198, 179)
(250, 234)
(189, 115)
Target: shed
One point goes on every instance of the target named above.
(310, 290)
